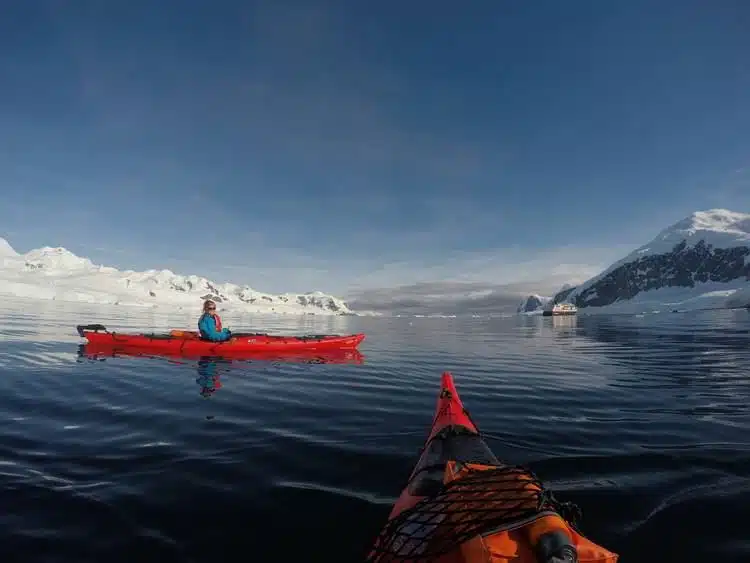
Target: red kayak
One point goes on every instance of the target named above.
(463, 505)
(189, 342)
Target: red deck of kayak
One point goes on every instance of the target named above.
(449, 411)
(190, 344)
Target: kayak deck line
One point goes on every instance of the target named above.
(461, 504)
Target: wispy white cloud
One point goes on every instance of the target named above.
(501, 266)
(542, 271)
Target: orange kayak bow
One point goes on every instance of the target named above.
(463, 505)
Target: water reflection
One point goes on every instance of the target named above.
(210, 368)
(208, 374)
(684, 351)
(562, 326)
(347, 356)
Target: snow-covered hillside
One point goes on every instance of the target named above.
(700, 262)
(56, 273)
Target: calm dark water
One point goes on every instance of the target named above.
(642, 421)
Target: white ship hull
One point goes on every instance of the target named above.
(560, 309)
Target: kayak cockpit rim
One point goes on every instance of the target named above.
(452, 443)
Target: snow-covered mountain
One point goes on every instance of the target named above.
(533, 303)
(702, 261)
(56, 273)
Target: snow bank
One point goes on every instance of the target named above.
(58, 274)
(710, 295)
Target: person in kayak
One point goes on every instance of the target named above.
(209, 324)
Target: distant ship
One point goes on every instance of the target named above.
(560, 309)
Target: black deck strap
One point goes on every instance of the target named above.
(158, 336)
(248, 334)
(317, 336)
(92, 327)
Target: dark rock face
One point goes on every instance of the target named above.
(321, 303)
(531, 303)
(187, 285)
(561, 296)
(682, 267)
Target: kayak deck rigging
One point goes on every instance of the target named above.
(487, 499)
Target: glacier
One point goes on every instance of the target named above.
(533, 304)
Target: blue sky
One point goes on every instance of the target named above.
(341, 145)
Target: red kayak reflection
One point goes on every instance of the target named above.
(210, 367)
(337, 356)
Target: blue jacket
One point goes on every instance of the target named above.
(207, 328)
